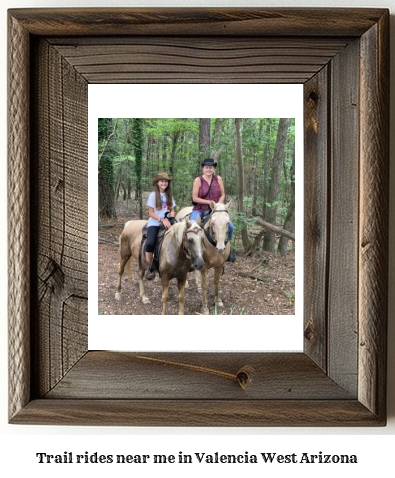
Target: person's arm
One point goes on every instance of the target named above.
(171, 209)
(152, 214)
(222, 188)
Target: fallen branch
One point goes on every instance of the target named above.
(252, 276)
(102, 240)
(107, 226)
(265, 261)
(276, 229)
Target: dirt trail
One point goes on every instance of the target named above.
(269, 289)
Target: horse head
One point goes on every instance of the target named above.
(193, 243)
(189, 237)
(218, 225)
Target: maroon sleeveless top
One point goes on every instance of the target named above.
(214, 194)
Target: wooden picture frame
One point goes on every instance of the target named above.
(342, 58)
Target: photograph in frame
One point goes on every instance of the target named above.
(269, 320)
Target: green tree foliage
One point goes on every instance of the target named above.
(107, 147)
(275, 180)
(140, 148)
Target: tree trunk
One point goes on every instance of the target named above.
(255, 173)
(138, 145)
(217, 148)
(204, 137)
(289, 224)
(278, 159)
(240, 181)
(163, 167)
(266, 167)
(106, 132)
(175, 137)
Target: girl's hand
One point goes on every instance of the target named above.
(166, 223)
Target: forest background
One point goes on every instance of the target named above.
(256, 160)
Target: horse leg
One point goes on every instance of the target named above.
(198, 279)
(204, 291)
(128, 268)
(122, 263)
(144, 298)
(181, 295)
(165, 294)
(217, 275)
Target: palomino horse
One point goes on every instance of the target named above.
(216, 247)
(181, 248)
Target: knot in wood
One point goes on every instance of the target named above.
(244, 376)
(313, 96)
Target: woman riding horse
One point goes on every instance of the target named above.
(206, 188)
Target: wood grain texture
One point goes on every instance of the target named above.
(186, 376)
(343, 224)
(194, 59)
(340, 377)
(61, 206)
(316, 203)
(373, 227)
(202, 413)
(18, 218)
(261, 22)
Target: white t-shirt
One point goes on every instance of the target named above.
(161, 213)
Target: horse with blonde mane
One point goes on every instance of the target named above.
(216, 247)
(181, 250)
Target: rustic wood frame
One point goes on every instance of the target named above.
(342, 57)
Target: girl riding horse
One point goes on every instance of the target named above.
(160, 202)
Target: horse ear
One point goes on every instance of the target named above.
(189, 224)
(228, 205)
(212, 205)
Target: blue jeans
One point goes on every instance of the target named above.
(195, 213)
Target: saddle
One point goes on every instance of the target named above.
(158, 244)
(205, 217)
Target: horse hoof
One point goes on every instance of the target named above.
(199, 290)
(220, 303)
(206, 312)
(118, 296)
(145, 300)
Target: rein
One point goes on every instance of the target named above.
(206, 230)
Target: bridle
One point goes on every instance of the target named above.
(209, 231)
(186, 250)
